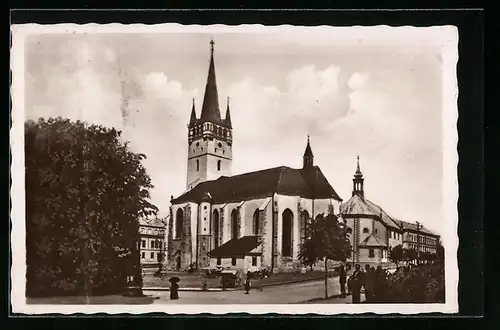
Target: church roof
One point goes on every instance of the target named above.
(371, 240)
(235, 247)
(265, 183)
(210, 109)
(362, 206)
(413, 227)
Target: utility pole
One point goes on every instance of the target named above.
(419, 226)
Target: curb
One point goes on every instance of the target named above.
(186, 289)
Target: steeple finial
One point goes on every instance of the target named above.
(358, 170)
(212, 42)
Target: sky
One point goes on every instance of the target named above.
(376, 95)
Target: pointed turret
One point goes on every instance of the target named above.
(308, 156)
(193, 119)
(227, 118)
(357, 182)
(210, 110)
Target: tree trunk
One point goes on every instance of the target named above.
(326, 277)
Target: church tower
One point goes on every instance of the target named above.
(210, 137)
(357, 183)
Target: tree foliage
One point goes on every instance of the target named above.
(327, 238)
(396, 254)
(85, 192)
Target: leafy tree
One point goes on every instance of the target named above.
(397, 254)
(326, 239)
(85, 191)
(410, 255)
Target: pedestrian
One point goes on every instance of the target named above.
(380, 284)
(247, 283)
(355, 283)
(342, 280)
(174, 288)
(368, 284)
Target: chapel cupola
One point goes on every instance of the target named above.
(308, 158)
(357, 182)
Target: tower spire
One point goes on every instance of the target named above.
(227, 118)
(308, 158)
(358, 181)
(192, 120)
(210, 109)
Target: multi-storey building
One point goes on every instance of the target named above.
(153, 244)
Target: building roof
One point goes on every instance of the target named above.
(235, 247)
(371, 240)
(413, 227)
(155, 222)
(362, 206)
(264, 183)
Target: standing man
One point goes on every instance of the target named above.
(369, 284)
(342, 280)
(355, 284)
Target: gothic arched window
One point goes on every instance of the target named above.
(216, 228)
(287, 231)
(179, 219)
(234, 224)
(303, 227)
(218, 165)
(197, 165)
(256, 222)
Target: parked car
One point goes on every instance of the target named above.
(230, 278)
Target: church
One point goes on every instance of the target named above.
(250, 219)
(259, 218)
(373, 232)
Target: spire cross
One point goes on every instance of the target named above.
(307, 138)
(228, 101)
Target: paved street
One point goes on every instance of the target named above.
(280, 294)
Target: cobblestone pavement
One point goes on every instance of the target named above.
(280, 294)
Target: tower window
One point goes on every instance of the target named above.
(218, 165)
(197, 165)
(219, 145)
(366, 230)
(371, 253)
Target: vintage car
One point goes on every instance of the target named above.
(230, 278)
(211, 272)
(258, 273)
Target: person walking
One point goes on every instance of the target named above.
(247, 283)
(342, 281)
(355, 283)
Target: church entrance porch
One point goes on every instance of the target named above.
(238, 253)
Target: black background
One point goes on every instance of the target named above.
(471, 125)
